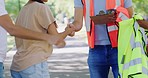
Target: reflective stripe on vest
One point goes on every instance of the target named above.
(133, 63)
(88, 9)
(122, 17)
(112, 28)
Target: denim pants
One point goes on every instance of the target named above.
(100, 59)
(36, 71)
(1, 70)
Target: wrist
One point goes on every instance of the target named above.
(45, 37)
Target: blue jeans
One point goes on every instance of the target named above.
(100, 59)
(36, 71)
(1, 70)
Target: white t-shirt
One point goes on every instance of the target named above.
(2, 8)
(3, 34)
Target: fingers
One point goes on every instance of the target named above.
(72, 34)
(70, 25)
(111, 19)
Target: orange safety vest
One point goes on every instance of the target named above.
(88, 10)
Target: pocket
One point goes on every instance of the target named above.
(29, 70)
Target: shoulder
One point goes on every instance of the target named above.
(42, 5)
(127, 3)
(78, 3)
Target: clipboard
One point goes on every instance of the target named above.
(99, 19)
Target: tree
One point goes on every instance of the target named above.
(66, 6)
(13, 7)
(140, 6)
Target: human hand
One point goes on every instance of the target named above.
(104, 19)
(70, 25)
(61, 44)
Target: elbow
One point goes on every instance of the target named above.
(11, 31)
(12, 34)
(9, 27)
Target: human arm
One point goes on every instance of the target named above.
(130, 11)
(18, 31)
(129, 6)
(78, 21)
(143, 23)
(53, 31)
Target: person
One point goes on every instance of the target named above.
(18, 31)
(102, 55)
(21, 32)
(3, 49)
(30, 60)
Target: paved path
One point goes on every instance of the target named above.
(68, 62)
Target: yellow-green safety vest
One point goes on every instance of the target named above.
(132, 59)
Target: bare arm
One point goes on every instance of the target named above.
(130, 11)
(143, 23)
(78, 19)
(6, 23)
(53, 31)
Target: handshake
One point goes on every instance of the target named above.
(70, 29)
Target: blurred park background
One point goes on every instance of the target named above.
(71, 59)
(63, 10)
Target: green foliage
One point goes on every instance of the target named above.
(141, 6)
(66, 6)
(12, 7)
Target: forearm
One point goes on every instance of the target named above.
(144, 26)
(143, 23)
(18, 31)
(77, 25)
(78, 19)
(28, 34)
